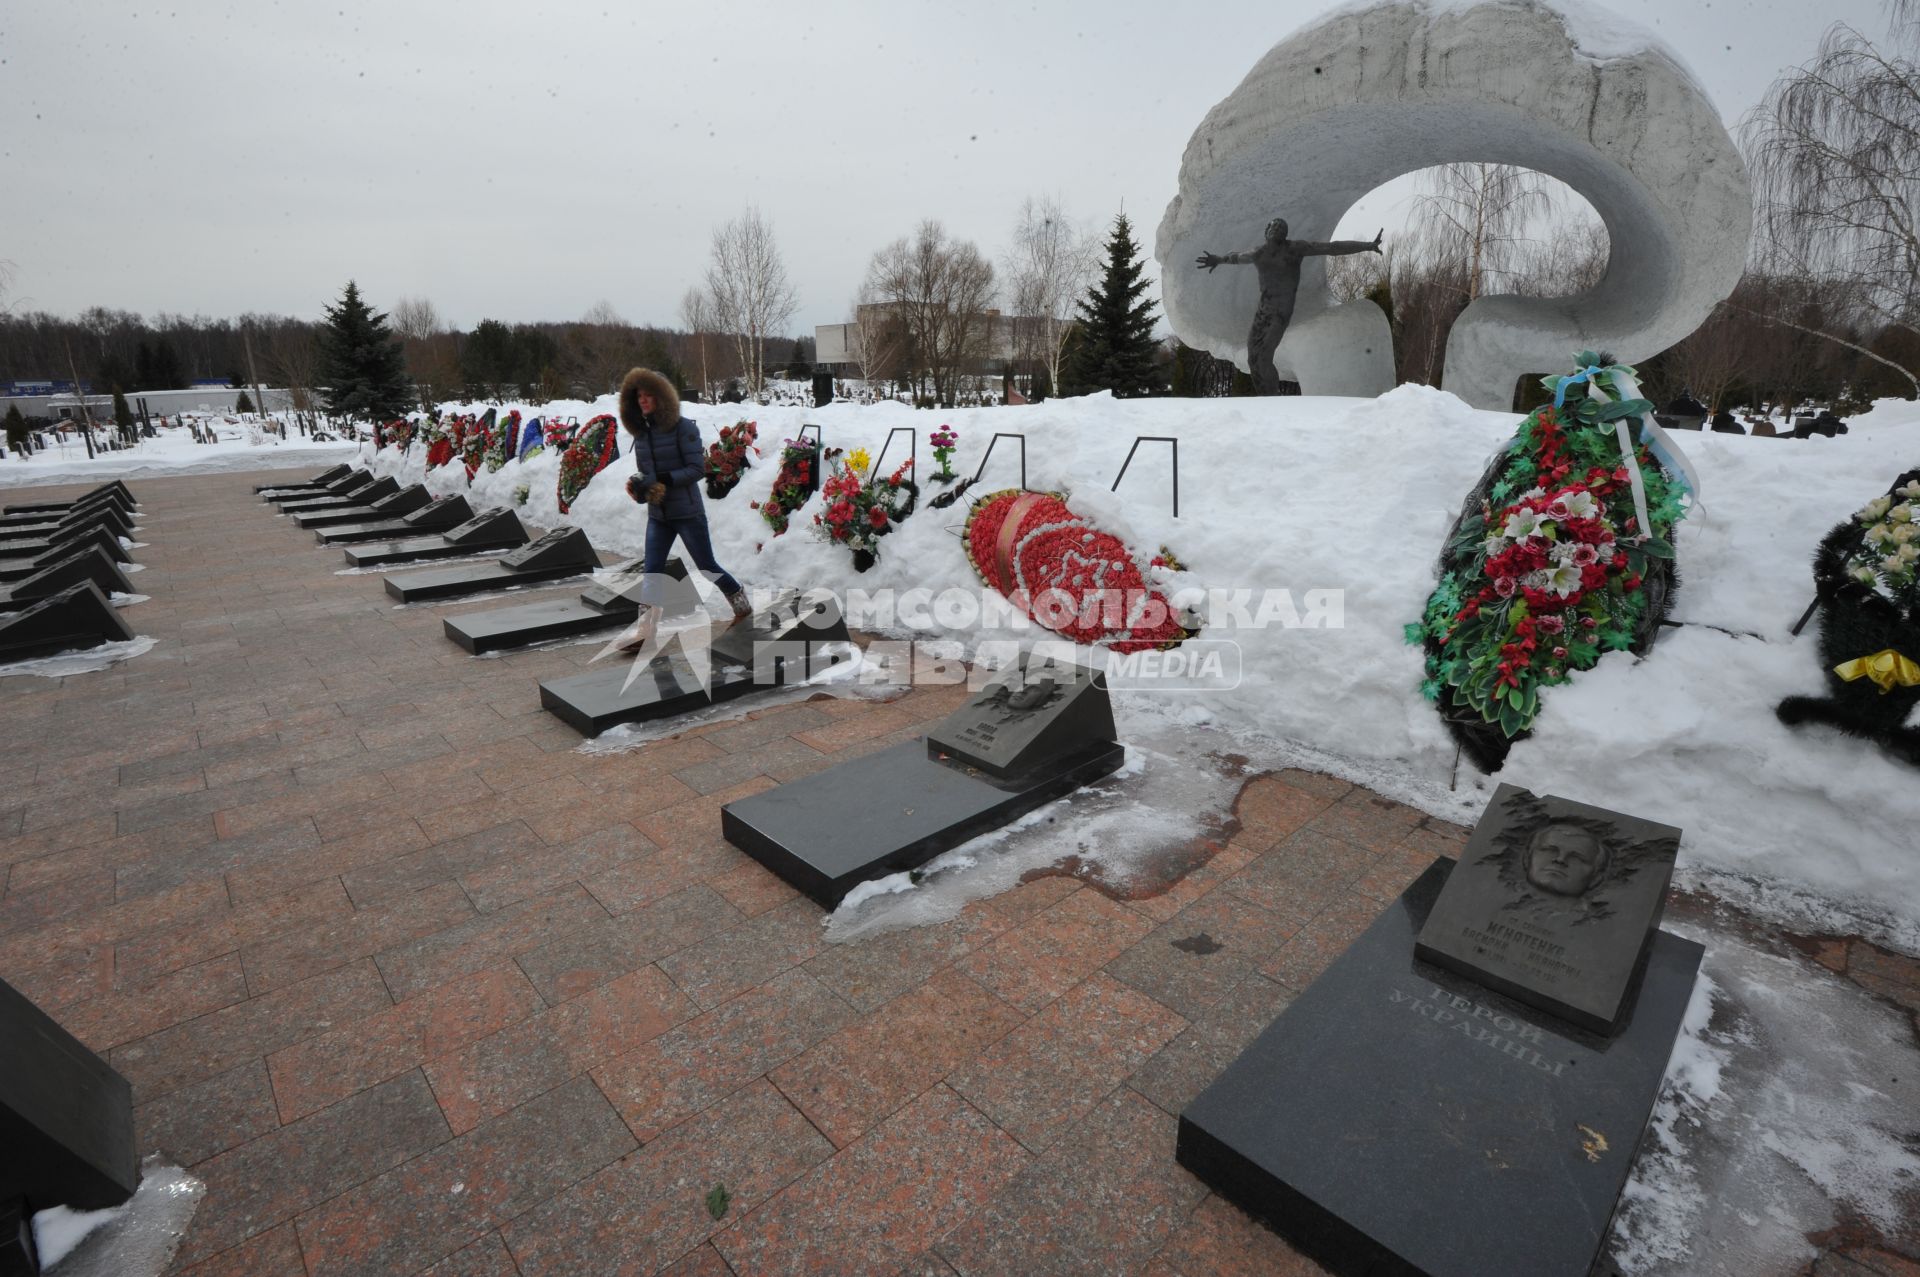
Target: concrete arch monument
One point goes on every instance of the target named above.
(1372, 92)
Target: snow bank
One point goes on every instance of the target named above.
(173, 452)
(1355, 495)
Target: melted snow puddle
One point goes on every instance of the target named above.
(1788, 1109)
(136, 1239)
(85, 661)
(1177, 786)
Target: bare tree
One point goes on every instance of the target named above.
(940, 288)
(293, 357)
(1477, 216)
(415, 319)
(1049, 267)
(752, 298)
(877, 338)
(696, 312)
(1834, 150)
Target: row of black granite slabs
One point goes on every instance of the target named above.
(1462, 1092)
(60, 566)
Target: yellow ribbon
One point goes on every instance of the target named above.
(1885, 668)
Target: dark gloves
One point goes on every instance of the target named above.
(641, 488)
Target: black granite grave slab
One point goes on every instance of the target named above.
(318, 481)
(35, 555)
(611, 601)
(1011, 726)
(364, 495)
(19, 1255)
(77, 617)
(21, 516)
(111, 494)
(891, 811)
(1554, 903)
(790, 620)
(66, 1117)
(492, 530)
(338, 488)
(590, 703)
(1400, 1119)
(563, 552)
(104, 517)
(87, 565)
(438, 515)
(392, 506)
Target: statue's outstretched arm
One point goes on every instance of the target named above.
(1340, 247)
(1207, 261)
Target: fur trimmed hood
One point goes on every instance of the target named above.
(664, 395)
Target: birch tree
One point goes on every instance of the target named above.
(752, 297)
(1049, 267)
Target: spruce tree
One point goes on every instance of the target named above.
(122, 415)
(243, 404)
(362, 362)
(1116, 350)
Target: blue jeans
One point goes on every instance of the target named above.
(692, 533)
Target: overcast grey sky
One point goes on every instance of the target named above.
(524, 160)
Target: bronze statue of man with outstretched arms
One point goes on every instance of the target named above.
(1278, 261)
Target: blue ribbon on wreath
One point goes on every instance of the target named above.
(1585, 375)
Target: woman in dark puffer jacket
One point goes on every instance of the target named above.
(671, 463)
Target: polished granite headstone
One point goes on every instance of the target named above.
(1400, 1119)
(438, 515)
(338, 488)
(88, 565)
(109, 517)
(364, 495)
(320, 480)
(391, 506)
(78, 616)
(612, 600)
(489, 530)
(1554, 904)
(113, 494)
(33, 558)
(1011, 728)
(796, 639)
(897, 809)
(66, 1117)
(563, 552)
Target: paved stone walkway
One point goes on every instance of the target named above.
(415, 986)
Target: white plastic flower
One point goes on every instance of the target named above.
(1905, 533)
(1871, 512)
(1880, 534)
(1902, 513)
(1866, 575)
(1521, 524)
(1911, 491)
(1562, 551)
(1563, 580)
(1890, 564)
(1494, 545)
(1908, 553)
(1580, 505)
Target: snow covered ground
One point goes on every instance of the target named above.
(242, 445)
(1355, 495)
